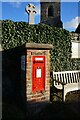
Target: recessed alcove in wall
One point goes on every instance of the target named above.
(50, 11)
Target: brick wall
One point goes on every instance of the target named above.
(37, 100)
(37, 96)
(36, 50)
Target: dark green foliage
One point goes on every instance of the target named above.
(15, 34)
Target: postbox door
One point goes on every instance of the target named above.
(38, 74)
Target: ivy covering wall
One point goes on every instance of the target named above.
(15, 34)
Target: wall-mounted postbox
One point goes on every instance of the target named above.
(35, 73)
(38, 73)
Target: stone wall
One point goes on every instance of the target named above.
(75, 36)
(53, 20)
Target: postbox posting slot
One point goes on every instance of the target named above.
(38, 73)
(37, 61)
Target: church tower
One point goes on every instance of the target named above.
(50, 13)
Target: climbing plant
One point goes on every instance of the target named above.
(15, 34)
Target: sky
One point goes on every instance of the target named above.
(16, 11)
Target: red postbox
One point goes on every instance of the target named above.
(38, 73)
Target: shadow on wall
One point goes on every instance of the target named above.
(11, 74)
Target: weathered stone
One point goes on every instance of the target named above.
(50, 13)
(31, 10)
(38, 46)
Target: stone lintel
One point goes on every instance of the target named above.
(38, 46)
